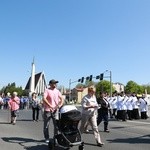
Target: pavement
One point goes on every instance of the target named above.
(28, 135)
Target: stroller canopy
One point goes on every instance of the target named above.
(67, 108)
(70, 112)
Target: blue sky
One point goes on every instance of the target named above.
(74, 38)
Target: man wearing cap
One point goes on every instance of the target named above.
(52, 100)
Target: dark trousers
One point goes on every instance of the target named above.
(35, 113)
(129, 114)
(121, 115)
(114, 112)
(47, 117)
(103, 116)
(135, 114)
(144, 115)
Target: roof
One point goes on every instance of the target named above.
(37, 77)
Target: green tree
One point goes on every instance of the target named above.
(133, 87)
(79, 85)
(103, 86)
(141, 89)
(89, 83)
(11, 88)
(146, 88)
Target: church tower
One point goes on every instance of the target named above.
(32, 81)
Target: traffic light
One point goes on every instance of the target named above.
(82, 79)
(87, 78)
(79, 80)
(101, 76)
(90, 78)
(97, 77)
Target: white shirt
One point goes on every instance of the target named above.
(143, 105)
(88, 100)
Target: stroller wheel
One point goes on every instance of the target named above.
(51, 145)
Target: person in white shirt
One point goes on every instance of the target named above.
(129, 107)
(143, 107)
(121, 107)
(135, 105)
(114, 104)
(89, 114)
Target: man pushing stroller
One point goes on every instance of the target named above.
(52, 100)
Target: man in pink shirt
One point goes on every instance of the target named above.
(13, 104)
(52, 100)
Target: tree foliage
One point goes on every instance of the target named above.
(89, 83)
(104, 86)
(11, 87)
(133, 87)
(79, 85)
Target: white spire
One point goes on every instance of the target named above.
(32, 80)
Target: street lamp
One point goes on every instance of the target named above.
(70, 82)
(69, 90)
(110, 76)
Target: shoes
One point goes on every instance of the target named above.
(47, 140)
(106, 131)
(86, 131)
(100, 144)
(13, 123)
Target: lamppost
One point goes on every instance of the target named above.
(110, 76)
(70, 82)
(110, 84)
(69, 90)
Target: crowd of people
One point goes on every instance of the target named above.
(102, 107)
(128, 106)
(95, 108)
(24, 101)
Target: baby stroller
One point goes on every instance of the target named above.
(66, 133)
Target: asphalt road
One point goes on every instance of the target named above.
(28, 135)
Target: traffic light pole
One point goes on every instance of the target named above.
(70, 88)
(110, 84)
(110, 76)
(101, 76)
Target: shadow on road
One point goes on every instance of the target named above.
(24, 142)
(4, 122)
(145, 139)
(25, 120)
(29, 144)
(91, 144)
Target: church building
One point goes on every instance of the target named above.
(36, 82)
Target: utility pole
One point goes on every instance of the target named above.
(110, 77)
(110, 84)
(70, 82)
(69, 90)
